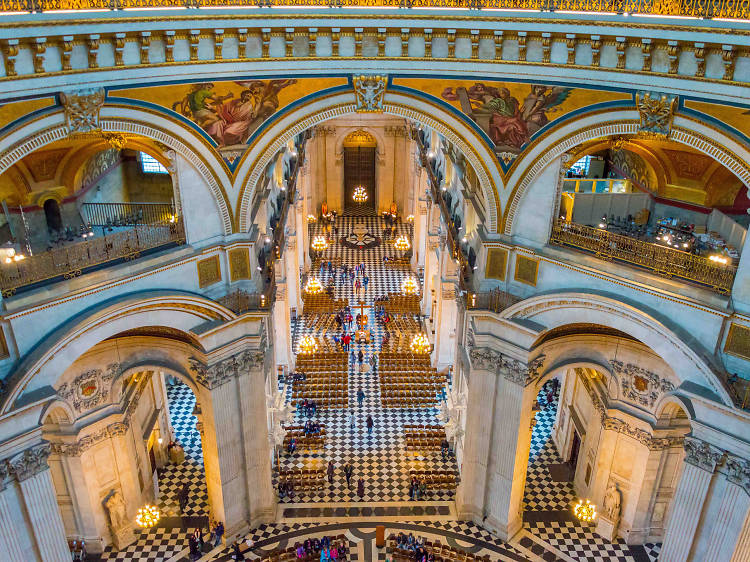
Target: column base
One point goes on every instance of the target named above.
(123, 537)
(503, 531)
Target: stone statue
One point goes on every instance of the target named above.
(612, 499)
(116, 509)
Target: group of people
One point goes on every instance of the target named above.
(416, 545)
(285, 489)
(311, 427)
(327, 550)
(417, 489)
(307, 407)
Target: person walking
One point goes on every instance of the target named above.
(360, 357)
(361, 488)
(183, 497)
(352, 421)
(330, 472)
(218, 533)
(348, 472)
(370, 425)
(360, 397)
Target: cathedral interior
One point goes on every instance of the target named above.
(374, 281)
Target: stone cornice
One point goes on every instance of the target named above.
(738, 472)
(701, 454)
(511, 369)
(30, 462)
(217, 374)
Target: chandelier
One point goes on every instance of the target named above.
(585, 511)
(360, 194)
(420, 344)
(402, 244)
(313, 286)
(147, 516)
(308, 345)
(311, 218)
(319, 243)
(409, 286)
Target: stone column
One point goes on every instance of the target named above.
(687, 505)
(445, 331)
(724, 540)
(420, 235)
(10, 544)
(35, 482)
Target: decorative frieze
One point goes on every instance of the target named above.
(640, 385)
(30, 462)
(76, 448)
(89, 389)
(512, 369)
(701, 454)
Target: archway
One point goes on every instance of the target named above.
(360, 150)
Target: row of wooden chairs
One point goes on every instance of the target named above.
(316, 395)
(442, 553)
(289, 554)
(300, 433)
(408, 403)
(301, 390)
(436, 479)
(303, 479)
(414, 445)
(422, 427)
(309, 443)
(424, 433)
(409, 387)
(300, 427)
(322, 303)
(327, 403)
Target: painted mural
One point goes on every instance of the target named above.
(511, 113)
(230, 112)
(11, 111)
(736, 117)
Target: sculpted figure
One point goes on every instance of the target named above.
(116, 509)
(612, 499)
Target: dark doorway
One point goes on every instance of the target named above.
(359, 169)
(52, 215)
(152, 459)
(575, 449)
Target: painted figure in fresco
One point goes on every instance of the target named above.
(508, 123)
(234, 117)
(266, 98)
(200, 104)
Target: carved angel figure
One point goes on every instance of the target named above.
(115, 506)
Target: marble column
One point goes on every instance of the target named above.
(728, 522)
(690, 496)
(10, 543)
(35, 482)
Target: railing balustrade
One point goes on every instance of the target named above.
(664, 261)
(126, 214)
(241, 301)
(732, 9)
(72, 260)
(495, 300)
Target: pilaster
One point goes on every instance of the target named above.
(10, 544)
(687, 506)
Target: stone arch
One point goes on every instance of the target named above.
(625, 122)
(410, 106)
(128, 119)
(57, 412)
(557, 309)
(41, 368)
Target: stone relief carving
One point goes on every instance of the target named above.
(450, 414)
(738, 472)
(369, 93)
(115, 507)
(89, 389)
(701, 454)
(219, 373)
(30, 462)
(640, 385)
(82, 109)
(512, 369)
(656, 111)
(612, 501)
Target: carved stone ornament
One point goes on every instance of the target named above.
(82, 109)
(639, 385)
(89, 389)
(656, 111)
(219, 373)
(369, 93)
(512, 369)
(701, 454)
(738, 472)
(30, 462)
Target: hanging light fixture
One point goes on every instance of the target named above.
(420, 344)
(360, 194)
(585, 510)
(402, 244)
(313, 286)
(409, 286)
(308, 345)
(319, 243)
(311, 218)
(147, 516)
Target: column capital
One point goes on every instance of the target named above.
(513, 370)
(221, 372)
(701, 454)
(30, 462)
(738, 472)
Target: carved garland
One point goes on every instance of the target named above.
(701, 454)
(640, 385)
(89, 389)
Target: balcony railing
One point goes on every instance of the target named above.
(495, 300)
(240, 301)
(126, 214)
(658, 259)
(695, 8)
(74, 260)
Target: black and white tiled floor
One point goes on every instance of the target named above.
(379, 458)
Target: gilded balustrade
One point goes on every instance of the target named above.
(732, 9)
(495, 300)
(70, 261)
(664, 261)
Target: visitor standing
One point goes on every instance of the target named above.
(370, 425)
(360, 397)
(330, 472)
(361, 488)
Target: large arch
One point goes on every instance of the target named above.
(408, 105)
(174, 310)
(119, 117)
(605, 123)
(558, 309)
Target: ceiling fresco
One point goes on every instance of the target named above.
(11, 111)
(511, 113)
(230, 112)
(736, 117)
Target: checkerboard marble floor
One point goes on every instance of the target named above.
(379, 458)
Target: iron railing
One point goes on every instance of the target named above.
(126, 214)
(495, 300)
(664, 261)
(240, 301)
(75, 259)
(732, 9)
